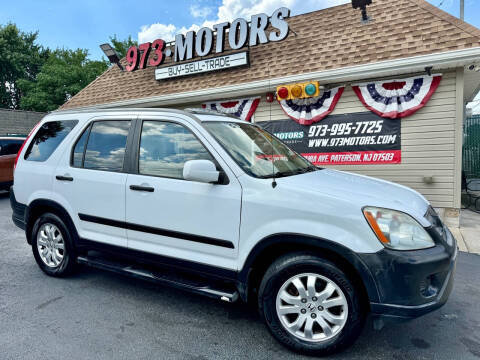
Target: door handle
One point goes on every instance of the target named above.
(142, 188)
(64, 178)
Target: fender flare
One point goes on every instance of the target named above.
(57, 208)
(331, 247)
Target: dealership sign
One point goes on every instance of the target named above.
(202, 66)
(348, 139)
(239, 33)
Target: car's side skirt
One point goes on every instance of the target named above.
(203, 286)
(143, 257)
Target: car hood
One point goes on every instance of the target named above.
(359, 191)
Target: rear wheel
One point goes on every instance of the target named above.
(52, 245)
(310, 305)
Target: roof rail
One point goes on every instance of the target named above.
(112, 109)
(202, 111)
(188, 112)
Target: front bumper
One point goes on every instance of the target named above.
(413, 283)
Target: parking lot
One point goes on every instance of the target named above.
(99, 315)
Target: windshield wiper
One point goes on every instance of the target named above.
(305, 170)
(310, 168)
(295, 172)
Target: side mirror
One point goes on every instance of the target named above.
(200, 170)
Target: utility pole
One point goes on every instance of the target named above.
(462, 9)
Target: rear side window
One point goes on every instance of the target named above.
(10, 146)
(79, 149)
(47, 139)
(105, 148)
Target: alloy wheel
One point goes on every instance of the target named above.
(312, 307)
(50, 245)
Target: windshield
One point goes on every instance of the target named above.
(254, 148)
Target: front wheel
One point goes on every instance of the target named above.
(310, 305)
(52, 246)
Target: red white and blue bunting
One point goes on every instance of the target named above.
(397, 99)
(311, 110)
(241, 108)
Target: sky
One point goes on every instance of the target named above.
(88, 23)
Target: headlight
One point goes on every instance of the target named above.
(397, 230)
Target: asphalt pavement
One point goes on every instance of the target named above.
(100, 315)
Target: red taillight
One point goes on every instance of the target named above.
(21, 147)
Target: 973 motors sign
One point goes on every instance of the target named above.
(238, 34)
(348, 139)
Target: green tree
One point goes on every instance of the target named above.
(121, 46)
(63, 75)
(20, 58)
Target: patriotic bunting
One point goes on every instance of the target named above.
(311, 110)
(241, 108)
(397, 99)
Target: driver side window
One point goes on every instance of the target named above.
(165, 147)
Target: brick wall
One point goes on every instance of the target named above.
(18, 121)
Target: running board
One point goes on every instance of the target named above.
(172, 279)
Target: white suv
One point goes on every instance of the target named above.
(221, 207)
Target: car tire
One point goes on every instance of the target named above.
(312, 309)
(52, 246)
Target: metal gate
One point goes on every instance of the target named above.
(471, 147)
